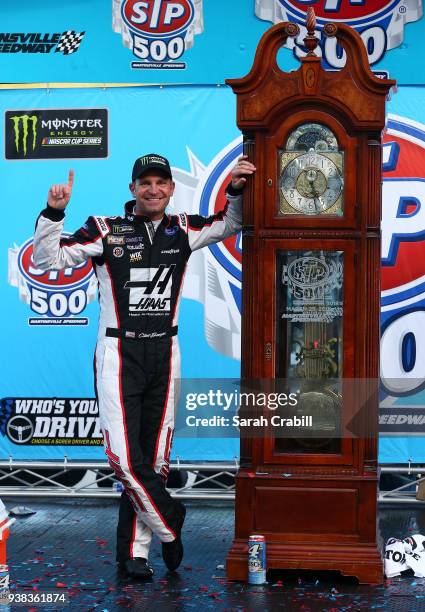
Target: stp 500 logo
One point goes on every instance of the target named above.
(56, 296)
(214, 273)
(380, 23)
(403, 256)
(158, 31)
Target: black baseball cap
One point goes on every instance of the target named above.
(151, 161)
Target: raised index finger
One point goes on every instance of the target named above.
(71, 178)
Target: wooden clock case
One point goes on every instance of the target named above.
(316, 510)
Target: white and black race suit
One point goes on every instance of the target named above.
(140, 273)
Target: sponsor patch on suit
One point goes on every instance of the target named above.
(115, 239)
(133, 239)
(123, 229)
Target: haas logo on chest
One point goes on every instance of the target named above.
(150, 289)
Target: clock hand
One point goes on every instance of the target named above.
(315, 195)
(311, 177)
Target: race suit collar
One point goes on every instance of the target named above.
(129, 212)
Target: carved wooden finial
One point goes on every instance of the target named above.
(310, 21)
(310, 41)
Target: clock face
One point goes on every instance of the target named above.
(311, 173)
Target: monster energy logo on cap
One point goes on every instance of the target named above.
(23, 123)
(149, 162)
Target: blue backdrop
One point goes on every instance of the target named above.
(193, 125)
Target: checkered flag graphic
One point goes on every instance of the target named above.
(69, 42)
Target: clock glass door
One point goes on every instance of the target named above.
(309, 343)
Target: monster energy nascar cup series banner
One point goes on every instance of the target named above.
(56, 133)
(192, 41)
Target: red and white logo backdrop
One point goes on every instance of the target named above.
(380, 23)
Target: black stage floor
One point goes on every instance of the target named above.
(68, 545)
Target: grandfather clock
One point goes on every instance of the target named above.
(311, 302)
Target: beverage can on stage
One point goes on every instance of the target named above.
(256, 559)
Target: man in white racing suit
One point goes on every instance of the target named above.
(139, 260)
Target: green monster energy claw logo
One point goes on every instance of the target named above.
(24, 121)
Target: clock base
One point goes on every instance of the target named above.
(360, 561)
